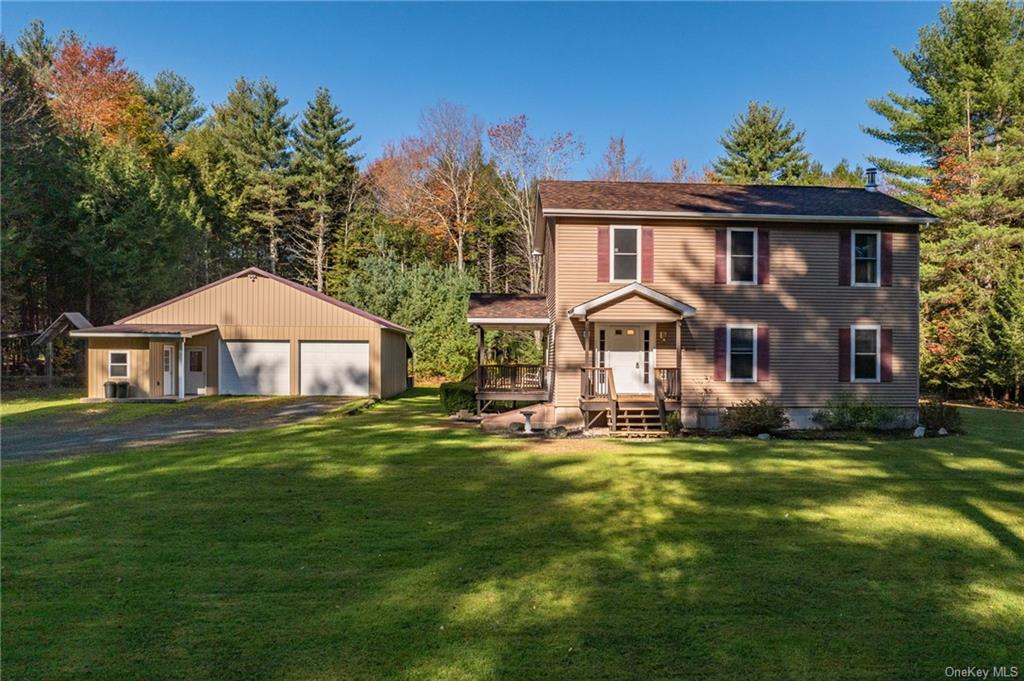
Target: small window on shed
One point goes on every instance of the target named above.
(117, 365)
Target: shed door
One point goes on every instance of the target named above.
(254, 368)
(330, 368)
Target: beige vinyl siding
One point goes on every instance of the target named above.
(394, 363)
(138, 364)
(803, 306)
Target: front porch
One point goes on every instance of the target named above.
(509, 382)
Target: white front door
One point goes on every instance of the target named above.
(195, 371)
(168, 370)
(629, 353)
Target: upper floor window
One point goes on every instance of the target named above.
(742, 251)
(117, 364)
(625, 253)
(866, 256)
(866, 358)
(741, 348)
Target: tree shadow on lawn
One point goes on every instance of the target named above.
(388, 545)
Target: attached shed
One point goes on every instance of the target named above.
(250, 333)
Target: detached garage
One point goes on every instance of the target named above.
(252, 333)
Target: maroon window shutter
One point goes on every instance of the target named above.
(844, 355)
(602, 254)
(720, 237)
(764, 257)
(844, 258)
(647, 254)
(763, 354)
(886, 259)
(885, 348)
(720, 353)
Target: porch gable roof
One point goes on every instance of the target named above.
(582, 310)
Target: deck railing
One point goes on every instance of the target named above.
(596, 383)
(668, 379)
(513, 378)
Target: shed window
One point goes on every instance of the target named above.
(742, 263)
(742, 341)
(117, 365)
(865, 353)
(865, 258)
(625, 253)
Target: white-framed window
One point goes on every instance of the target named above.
(865, 354)
(741, 255)
(741, 354)
(117, 364)
(625, 255)
(865, 258)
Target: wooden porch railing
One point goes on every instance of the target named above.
(668, 380)
(516, 378)
(597, 382)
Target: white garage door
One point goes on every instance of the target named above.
(334, 368)
(254, 368)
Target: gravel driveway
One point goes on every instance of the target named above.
(73, 433)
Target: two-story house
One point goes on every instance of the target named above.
(692, 297)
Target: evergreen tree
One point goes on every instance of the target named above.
(326, 179)
(968, 68)
(173, 101)
(254, 131)
(762, 148)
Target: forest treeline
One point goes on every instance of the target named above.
(118, 193)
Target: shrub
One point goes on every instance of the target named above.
(752, 417)
(847, 413)
(674, 423)
(458, 396)
(935, 415)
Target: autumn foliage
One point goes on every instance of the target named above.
(91, 91)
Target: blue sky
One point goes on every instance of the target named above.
(669, 77)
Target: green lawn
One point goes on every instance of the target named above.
(62, 405)
(389, 545)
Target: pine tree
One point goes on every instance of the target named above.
(969, 69)
(762, 148)
(173, 102)
(326, 179)
(255, 131)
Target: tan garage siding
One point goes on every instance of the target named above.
(138, 364)
(258, 302)
(394, 364)
(803, 306)
(260, 308)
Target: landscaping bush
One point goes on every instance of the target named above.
(458, 396)
(753, 417)
(674, 423)
(936, 415)
(847, 413)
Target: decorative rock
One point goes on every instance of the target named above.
(943, 431)
(764, 436)
(556, 433)
(919, 431)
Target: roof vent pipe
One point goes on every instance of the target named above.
(871, 183)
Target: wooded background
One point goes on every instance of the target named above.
(118, 193)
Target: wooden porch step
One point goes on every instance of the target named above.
(638, 434)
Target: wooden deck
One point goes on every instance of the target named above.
(512, 383)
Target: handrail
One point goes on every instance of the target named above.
(512, 377)
(597, 382)
(670, 382)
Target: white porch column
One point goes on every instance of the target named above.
(181, 370)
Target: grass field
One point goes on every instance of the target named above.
(390, 545)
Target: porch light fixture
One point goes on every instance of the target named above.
(252, 277)
(630, 332)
